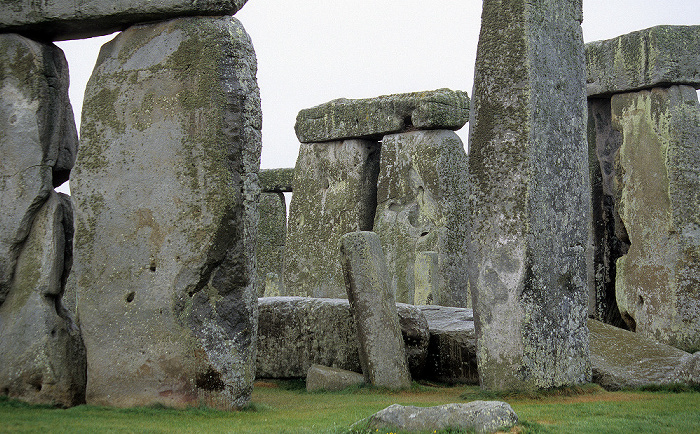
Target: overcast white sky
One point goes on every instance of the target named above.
(312, 51)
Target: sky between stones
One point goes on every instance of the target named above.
(312, 51)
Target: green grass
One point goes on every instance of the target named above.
(285, 407)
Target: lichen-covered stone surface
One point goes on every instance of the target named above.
(373, 118)
(165, 190)
(38, 139)
(42, 357)
(277, 180)
(382, 352)
(335, 192)
(272, 231)
(654, 57)
(78, 19)
(422, 205)
(530, 211)
(331, 379)
(658, 281)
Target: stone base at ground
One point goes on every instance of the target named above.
(331, 379)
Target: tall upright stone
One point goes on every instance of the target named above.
(272, 231)
(335, 185)
(422, 206)
(166, 189)
(530, 216)
(658, 280)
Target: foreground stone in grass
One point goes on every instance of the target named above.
(478, 416)
(332, 379)
(654, 57)
(165, 189)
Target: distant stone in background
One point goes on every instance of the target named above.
(273, 283)
(335, 191)
(422, 205)
(530, 210)
(658, 280)
(374, 118)
(58, 20)
(165, 190)
(654, 57)
(426, 278)
(382, 352)
(42, 357)
(272, 232)
(277, 180)
(331, 379)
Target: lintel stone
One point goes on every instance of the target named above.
(276, 180)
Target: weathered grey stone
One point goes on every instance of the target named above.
(426, 278)
(272, 285)
(277, 180)
(335, 192)
(530, 215)
(688, 370)
(654, 57)
(78, 19)
(272, 232)
(38, 139)
(42, 357)
(165, 189)
(452, 348)
(373, 118)
(331, 379)
(477, 416)
(658, 281)
(297, 332)
(422, 205)
(623, 359)
(382, 352)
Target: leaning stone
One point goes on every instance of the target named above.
(331, 379)
(382, 352)
(654, 57)
(335, 192)
(422, 205)
(272, 231)
(42, 357)
(38, 139)
(477, 416)
(165, 189)
(59, 20)
(374, 118)
(622, 359)
(658, 280)
(277, 180)
(530, 211)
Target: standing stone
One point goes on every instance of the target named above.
(530, 216)
(165, 189)
(658, 281)
(335, 192)
(42, 357)
(422, 206)
(382, 353)
(426, 278)
(38, 139)
(272, 231)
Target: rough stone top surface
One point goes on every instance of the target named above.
(276, 180)
(657, 56)
(376, 117)
(76, 19)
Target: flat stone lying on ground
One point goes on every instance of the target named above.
(688, 370)
(59, 20)
(331, 379)
(477, 416)
(654, 57)
(276, 180)
(376, 117)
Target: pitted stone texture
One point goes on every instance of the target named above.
(658, 281)
(79, 19)
(443, 109)
(297, 332)
(335, 192)
(476, 416)
(530, 215)
(422, 205)
(688, 371)
(277, 180)
(654, 57)
(42, 357)
(165, 189)
(272, 231)
(382, 352)
(38, 139)
(331, 379)
(622, 359)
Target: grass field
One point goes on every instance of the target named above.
(285, 407)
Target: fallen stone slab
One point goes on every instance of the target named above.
(331, 379)
(60, 20)
(653, 57)
(373, 118)
(688, 371)
(276, 180)
(477, 416)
